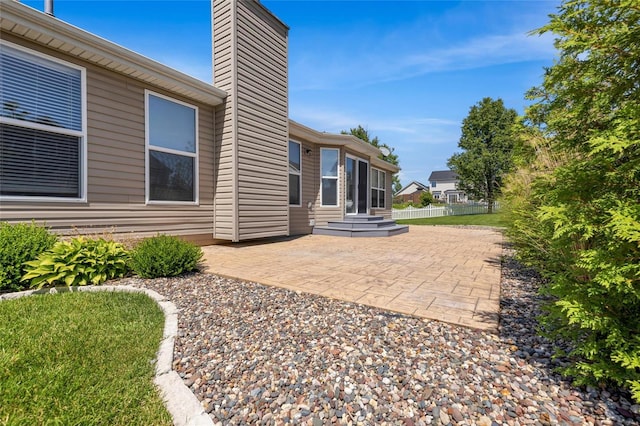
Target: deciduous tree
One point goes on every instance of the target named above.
(426, 198)
(487, 142)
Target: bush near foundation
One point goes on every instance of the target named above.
(164, 256)
(20, 243)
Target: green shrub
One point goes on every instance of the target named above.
(20, 243)
(80, 261)
(426, 198)
(401, 206)
(164, 256)
(574, 205)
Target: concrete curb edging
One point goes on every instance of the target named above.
(182, 404)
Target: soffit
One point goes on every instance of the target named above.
(299, 131)
(49, 31)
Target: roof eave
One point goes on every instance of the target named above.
(382, 164)
(297, 130)
(49, 31)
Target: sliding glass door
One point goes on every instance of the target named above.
(356, 185)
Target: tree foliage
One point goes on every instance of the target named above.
(487, 142)
(363, 134)
(575, 200)
(426, 198)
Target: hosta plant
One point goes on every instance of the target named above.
(78, 262)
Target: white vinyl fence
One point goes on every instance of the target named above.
(446, 210)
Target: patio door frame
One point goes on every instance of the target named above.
(358, 185)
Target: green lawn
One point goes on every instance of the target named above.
(494, 219)
(80, 358)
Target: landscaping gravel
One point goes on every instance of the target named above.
(255, 354)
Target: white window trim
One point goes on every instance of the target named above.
(336, 177)
(37, 126)
(379, 188)
(299, 174)
(148, 146)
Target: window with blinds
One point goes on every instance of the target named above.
(41, 126)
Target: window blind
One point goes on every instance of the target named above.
(39, 90)
(38, 163)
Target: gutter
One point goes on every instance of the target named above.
(32, 24)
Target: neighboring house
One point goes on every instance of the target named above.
(411, 192)
(97, 138)
(444, 187)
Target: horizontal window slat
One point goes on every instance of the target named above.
(38, 90)
(39, 163)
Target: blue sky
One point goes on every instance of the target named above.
(408, 71)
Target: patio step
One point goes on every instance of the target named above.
(361, 226)
(366, 224)
(362, 218)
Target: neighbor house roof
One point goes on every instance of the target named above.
(443, 175)
(417, 184)
(49, 31)
(334, 139)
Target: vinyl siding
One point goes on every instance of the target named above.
(299, 217)
(225, 179)
(116, 167)
(262, 123)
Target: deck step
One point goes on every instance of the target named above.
(365, 224)
(361, 226)
(387, 231)
(362, 218)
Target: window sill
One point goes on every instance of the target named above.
(172, 203)
(43, 200)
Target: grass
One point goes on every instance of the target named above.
(494, 219)
(80, 358)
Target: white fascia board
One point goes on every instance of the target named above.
(297, 130)
(103, 51)
(384, 165)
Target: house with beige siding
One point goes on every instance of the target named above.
(97, 138)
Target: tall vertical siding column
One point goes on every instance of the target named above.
(250, 63)
(225, 177)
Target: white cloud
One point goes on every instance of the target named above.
(331, 121)
(358, 64)
(480, 52)
(423, 144)
(420, 130)
(335, 120)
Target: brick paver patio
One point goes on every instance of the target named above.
(443, 273)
